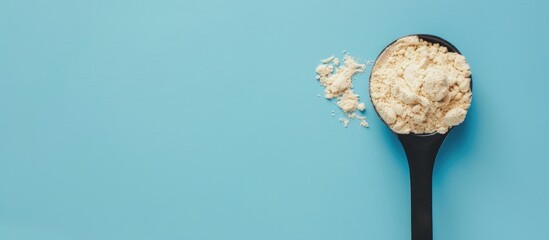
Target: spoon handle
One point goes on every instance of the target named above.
(421, 172)
(421, 153)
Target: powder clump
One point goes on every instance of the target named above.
(420, 87)
(337, 81)
(345, 121)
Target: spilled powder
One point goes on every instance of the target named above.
(420, 87)
(337, 81)
(345, 121)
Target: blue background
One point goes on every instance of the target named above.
(200, 120)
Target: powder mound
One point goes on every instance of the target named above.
(337, 81)
(420, 87)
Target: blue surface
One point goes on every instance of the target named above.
(200, 120)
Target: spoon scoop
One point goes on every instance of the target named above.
(421, 151)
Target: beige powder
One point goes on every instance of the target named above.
(337, 80)
(420, 87)
(345, 121)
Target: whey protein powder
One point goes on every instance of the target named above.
(420, 87)
(337, 81)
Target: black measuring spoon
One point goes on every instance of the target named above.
(421, 151)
